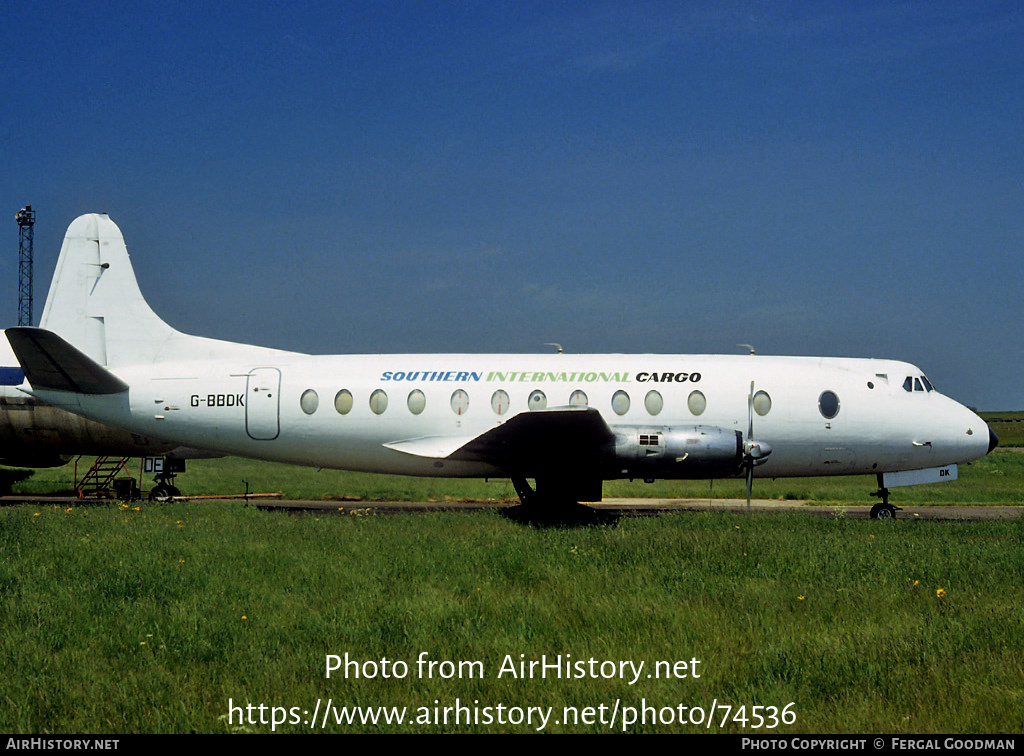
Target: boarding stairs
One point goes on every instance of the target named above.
(98, 480)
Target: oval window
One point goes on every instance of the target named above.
(762, 403)
(697, 403)
(620, 402)
(417, 401)
(460, 402)
(499, 402)
(577, 399)
(537, 400)
(828, 404)
(343, 402)
(309, 401)
(653, 402)
(378, 402)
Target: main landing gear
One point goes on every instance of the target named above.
(527, 496)
(165, 489)
(164, 469)
(555, 502)
(883, 510)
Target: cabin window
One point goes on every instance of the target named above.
(828, 404)
(653, 402)
(343, 402)
(460, 402)
(537, 400)
(309, 401)
(620, 402)
(578, 399)
(697, 403)
(417, 401)
(499, 402)
(762, 403)
(378, 402)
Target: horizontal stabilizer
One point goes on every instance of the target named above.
(50, 362)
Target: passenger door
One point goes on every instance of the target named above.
(262, 404)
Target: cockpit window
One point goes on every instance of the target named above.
(917, 383)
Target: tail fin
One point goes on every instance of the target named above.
(95, 305)
(94, 301)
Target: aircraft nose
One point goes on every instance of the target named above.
(993, 440)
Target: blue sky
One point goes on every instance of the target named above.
(840, 179)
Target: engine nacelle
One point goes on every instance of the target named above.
(699, 451)
(33, 434)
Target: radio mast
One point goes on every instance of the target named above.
(26, 218)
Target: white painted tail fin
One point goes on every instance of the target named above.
(94, 301)
(96, 306)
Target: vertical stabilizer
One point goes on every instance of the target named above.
(94, 301)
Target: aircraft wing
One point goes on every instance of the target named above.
(527, 442)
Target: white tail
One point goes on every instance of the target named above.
(95, 304)
(94, 301)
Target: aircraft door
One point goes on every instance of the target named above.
(262, 404)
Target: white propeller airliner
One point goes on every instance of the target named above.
(567, 421)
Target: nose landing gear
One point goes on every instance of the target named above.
(883, 510)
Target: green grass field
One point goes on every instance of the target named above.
(148, 618)
(1009, 426)
(115, 619)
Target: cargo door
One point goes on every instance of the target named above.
(262, 404)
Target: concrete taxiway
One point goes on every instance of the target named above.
(612, 507)
(649, 507)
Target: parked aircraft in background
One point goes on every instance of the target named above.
(567, 421)
(34, 434)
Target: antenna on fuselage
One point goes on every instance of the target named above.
(747, 346)
(556, 346)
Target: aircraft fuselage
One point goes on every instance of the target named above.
(256, 408)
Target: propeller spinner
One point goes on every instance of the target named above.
(754, 452)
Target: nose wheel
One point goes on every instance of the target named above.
(883, 510)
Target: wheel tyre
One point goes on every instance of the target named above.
(160, 493)
(883, 512)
